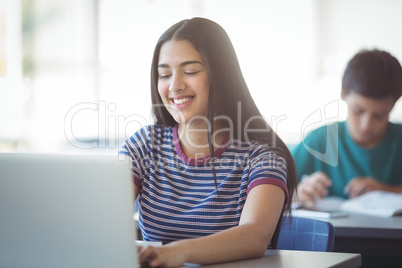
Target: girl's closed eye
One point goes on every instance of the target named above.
(164, 76)
(191, 72)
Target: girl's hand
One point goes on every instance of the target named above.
(170, 255)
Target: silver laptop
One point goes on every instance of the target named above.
(66, 211)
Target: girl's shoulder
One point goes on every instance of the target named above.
(150, 135)
(155, 131)
(253, 148)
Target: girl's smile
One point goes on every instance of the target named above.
(181, 102)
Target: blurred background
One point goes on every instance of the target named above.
(75, 74)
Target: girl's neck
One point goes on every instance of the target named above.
(194, 140)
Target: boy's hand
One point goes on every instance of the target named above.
(360, 185)
(313, 187)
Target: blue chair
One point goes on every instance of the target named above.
(305, 234)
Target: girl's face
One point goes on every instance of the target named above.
(367, 118)
(183, 81)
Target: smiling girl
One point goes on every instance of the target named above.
(213, 178)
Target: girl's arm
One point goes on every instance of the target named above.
(250, 239)
(136, 192)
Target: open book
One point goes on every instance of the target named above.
(329, 207)
(377, 203)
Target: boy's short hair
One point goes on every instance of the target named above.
(374, 74)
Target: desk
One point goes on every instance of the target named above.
(368, 235)
(294, 259)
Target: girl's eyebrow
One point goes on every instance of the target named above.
(164, 65)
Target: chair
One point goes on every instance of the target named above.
(306, 234)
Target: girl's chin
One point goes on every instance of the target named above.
(177, 115)
(180, 119)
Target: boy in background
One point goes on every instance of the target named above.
(367, 146)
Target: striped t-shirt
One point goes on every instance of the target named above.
(178, 197)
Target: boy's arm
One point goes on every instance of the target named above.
(360, 185)
(313, 182)
(313, 187)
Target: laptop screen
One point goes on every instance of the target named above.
(66, 211)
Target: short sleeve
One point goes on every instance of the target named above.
(268, 168)
(136, 147)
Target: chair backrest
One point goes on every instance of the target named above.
(305, 234)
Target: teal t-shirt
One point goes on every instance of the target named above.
(331, 150)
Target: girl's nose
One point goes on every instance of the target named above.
(177, 83)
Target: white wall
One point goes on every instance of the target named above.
(347, 26)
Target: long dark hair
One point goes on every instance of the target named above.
(228, 91)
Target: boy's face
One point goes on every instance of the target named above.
(367, 118)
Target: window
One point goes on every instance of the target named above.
(75, 74)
